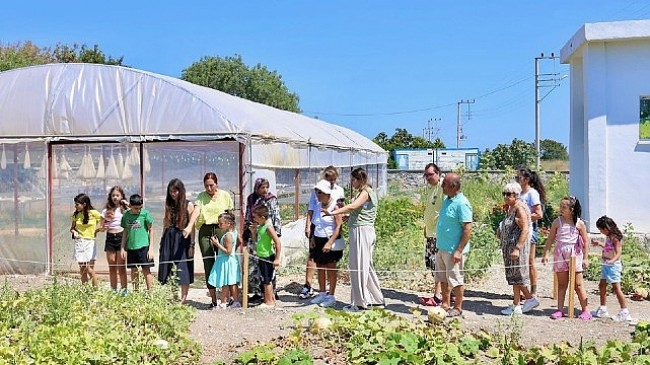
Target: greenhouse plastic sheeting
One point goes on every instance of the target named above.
(89, 101)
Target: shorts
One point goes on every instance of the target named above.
(611, 272)
(324, 258)
(430, 251)
(135, 258)
(448, 271)
(534, 237)
(113, 242)
(267, 270)
(84, 250)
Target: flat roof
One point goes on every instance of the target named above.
(605, 32)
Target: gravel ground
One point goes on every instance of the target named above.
(225, 333)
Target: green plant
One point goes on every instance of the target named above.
(76, 324)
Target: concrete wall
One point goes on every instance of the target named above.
(610, 165)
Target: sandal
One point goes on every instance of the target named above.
(429, 302)
(557, 315)
(454, 312)
(585, 316)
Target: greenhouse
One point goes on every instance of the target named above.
(72, 128)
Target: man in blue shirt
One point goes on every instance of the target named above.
(453, 231)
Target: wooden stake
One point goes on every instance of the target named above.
(572, 285)
(245, 279)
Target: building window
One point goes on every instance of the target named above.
(644, 118)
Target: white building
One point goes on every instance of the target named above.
(447, 159)
(609, 144)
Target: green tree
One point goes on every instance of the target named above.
(28, 54)
(552, 150)
(403, 139)
(519, 153)
(231, 75)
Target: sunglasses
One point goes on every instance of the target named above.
(509, 194)
(427, 174)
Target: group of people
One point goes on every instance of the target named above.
(446, 211)
(447, 231)
(130, 236)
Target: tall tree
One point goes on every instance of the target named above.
(28, 54)
(519, 153)
(553, 150)
(233, 76)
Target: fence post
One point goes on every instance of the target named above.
(245, 279)
(572, 284)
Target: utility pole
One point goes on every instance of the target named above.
(427, 133)
(459, 124)
(551, 80)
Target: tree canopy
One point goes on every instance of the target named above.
(519, 153)
(28, 54)
(231, 75)
(403, 139)
(553, 150)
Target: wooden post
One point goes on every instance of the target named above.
(555, 287)
(245, 277)
(296, 201)
(572, 284)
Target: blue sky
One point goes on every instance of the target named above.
(371, 66)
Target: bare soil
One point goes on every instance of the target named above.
(224, 333)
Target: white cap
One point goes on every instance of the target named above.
(324, 186)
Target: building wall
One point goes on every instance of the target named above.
(616, 163)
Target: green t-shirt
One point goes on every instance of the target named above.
(366, 214)
(264, 240)
(137, 229)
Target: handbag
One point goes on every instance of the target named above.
(339, 244)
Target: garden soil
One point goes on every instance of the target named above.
(225, 333)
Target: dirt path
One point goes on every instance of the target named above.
(224, 333)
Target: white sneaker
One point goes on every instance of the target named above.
(529, 304)
(319, 298)
(623, 316)
(351, 308)
(306, 292)
(511, 309)
(328, 302)
(601, 312)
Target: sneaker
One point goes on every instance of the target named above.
(352, 308)
(512, 309)
(319, 298)
(557, 315)
(529, 304)
(601, 312)
(266, 306)
(234, 305)
(623, 316)
(215, 305)
(585, 316)
(328, 301)
(306, 292)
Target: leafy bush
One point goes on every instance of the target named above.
(77, 324)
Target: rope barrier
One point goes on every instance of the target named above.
(255, 257)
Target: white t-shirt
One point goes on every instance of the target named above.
(116, 222)
(531, 198)
(314, 204)
(326, 224)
